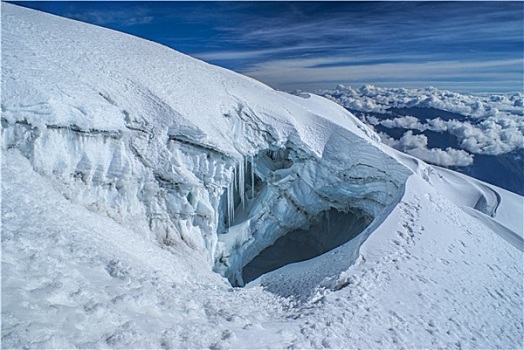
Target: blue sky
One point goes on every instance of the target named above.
(461, 46)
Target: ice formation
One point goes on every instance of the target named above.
(294, 188)
(165, 166)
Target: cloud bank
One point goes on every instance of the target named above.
(493, 136)
(487, 125)
(416, 145)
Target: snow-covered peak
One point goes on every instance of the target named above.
(184, 150)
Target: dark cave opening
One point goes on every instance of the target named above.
(330, 229)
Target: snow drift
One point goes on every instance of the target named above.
(204, 163)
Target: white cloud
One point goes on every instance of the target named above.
(437, 125)
(416, 145)
(488, 137)
(387, 140)
(492, 125)
(493, 136)
(407, 122)
(446, 158)
(370, 120)
(409, 141)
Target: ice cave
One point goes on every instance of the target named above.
(278, 210)
(329, 230)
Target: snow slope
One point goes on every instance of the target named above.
(138, 183)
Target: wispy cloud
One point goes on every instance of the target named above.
(317, 72)
(307, 45)
(382, 26)
(259, 53)
(311, 45)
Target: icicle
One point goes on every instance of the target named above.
(234, 178)
(231, 199)
(252, 177)
(241, 181)
(230, 203)
(233, 187)
(232, 206)
(227, 207)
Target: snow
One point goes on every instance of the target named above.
(138, 183)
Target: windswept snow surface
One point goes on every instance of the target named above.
(137, 183)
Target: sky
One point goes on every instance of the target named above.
(459, 46)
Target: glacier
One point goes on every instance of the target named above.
(142, 187)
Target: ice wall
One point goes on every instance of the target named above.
(229, 207)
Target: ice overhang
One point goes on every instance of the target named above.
(284, 205)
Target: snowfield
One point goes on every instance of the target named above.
(151, 200)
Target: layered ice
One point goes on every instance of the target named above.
(201, 195)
